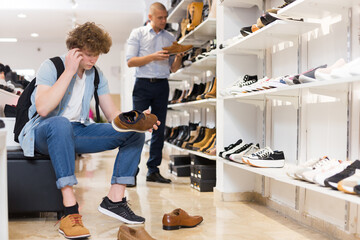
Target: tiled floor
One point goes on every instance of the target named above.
(222, 220)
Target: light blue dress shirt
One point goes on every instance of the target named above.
(47, 75)
(144, 41)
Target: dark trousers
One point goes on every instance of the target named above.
(155, 95)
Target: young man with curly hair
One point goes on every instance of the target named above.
(61, 127)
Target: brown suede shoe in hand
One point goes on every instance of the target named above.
(134, 121)
(180, 219)
(176, 48)
(136, 233)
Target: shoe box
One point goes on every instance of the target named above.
(178, 160)
(181, 171)
(202, 185)
(205, 172)
(198, 160)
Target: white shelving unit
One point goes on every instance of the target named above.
(7, 98)
(201, 34)
(179, 12)
(184, 151)
(306, 121)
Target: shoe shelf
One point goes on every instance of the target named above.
(182, 150)
(210, 102)
(279, 174)
(322, 87)
(315, 8)
(197, 67)
(270, 35)
(179, 12)
(201, 34)
(242, 3)
(7, 98)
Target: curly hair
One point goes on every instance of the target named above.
(91, 37)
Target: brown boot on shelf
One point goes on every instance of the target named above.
(209, 143)
(207, 87)
(211, 151)
(176, 48)
(208, 133)
(193, 135)
(195, 11)
(212, 92)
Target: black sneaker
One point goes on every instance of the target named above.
(120, 211)
(347, 172)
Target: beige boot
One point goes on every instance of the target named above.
(212, 92)
(195, 11)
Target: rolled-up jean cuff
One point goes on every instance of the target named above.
(123, 180)
(66, 181)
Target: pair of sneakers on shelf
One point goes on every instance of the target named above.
(251, 154)
(72, 227)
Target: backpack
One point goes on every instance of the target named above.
(24, 101)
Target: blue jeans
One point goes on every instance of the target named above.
(61, 140)
(155, 95)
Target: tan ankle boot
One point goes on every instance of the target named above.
(212, 92)
(195, 11)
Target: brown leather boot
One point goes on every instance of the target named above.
(208, 134)
(212, 92)
(209, 143)
(195, 11)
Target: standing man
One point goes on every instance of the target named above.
(61, 127)
(153, 66)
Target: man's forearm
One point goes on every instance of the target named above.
(176, 64)
(139, 61)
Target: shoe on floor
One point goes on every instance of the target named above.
(176, 48)
(180, 219)
(156, 177)
(136, 233)
(72, 227)
(120, 211)
(134, 121)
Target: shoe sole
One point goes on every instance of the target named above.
(266, 163)
(111, 214)
(178, 227)
(157, 181)
(74, 237)
(124, 130)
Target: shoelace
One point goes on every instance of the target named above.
(74, 218)
(323, 161)
(126, 206)
(246, 146)
(263, 152)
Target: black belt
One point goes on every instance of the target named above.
(153, 80)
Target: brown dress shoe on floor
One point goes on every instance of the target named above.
(176, 48)
(180, 219)
(134, 121)
(135, 233)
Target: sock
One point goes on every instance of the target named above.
(114, 202)
(71, 210)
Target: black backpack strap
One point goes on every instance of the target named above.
(60, 68)
(96, 85)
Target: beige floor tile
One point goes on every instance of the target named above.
(222, 220)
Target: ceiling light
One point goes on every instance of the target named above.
(34, 35)
(21, 15)
(8, 40)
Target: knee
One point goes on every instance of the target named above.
(60, 125)
(139, 138)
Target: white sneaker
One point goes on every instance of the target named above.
(319, 167)
(320, 177)
(234, 149)
(323, 74)
(306, 167)
(345, 70)
(274, 83)
(347, 185)
(255, 86)
(237, 157)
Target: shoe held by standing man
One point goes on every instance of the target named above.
(153, 66)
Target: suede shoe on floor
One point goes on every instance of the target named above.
(134, 121)
(156, 177)
(180, 219)
(72, 227)
(176, 48)
(136, 233)
(120, 211)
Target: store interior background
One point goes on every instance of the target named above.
(53, 19)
